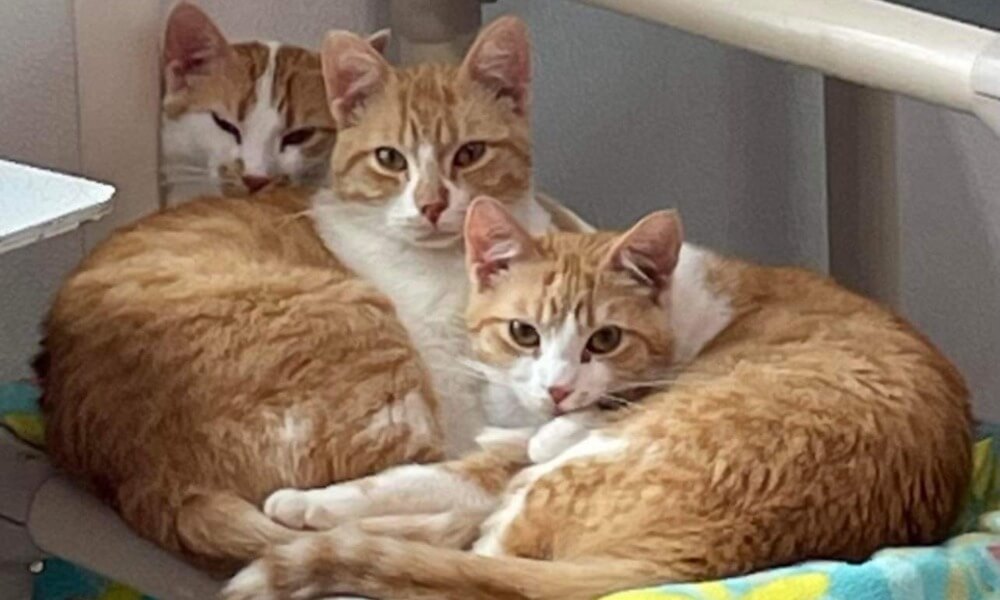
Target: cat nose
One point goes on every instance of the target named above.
(558, 393)
(255, 182)
(432, 208)
(432, 212)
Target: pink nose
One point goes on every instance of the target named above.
(255, 182)
(433, 211)
(558, 393)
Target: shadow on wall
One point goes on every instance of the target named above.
(949, 168)
(631, 116)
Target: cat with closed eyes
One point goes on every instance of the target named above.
(206, 356)
(238, 117)
(764, 416)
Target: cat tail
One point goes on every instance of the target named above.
(344, 561)
(227, 529)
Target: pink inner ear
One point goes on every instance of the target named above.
(353, 70)
(493, 239)
(192, 41)
(500, 59)
(651, 249)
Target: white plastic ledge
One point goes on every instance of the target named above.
(869, 42)
(36, 204)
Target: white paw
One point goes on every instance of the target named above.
(252, 583)
(492, 437)
(554, 438)
(315, 509)
(542, 449)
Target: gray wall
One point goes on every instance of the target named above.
(949, 186)
(38, 125)
(628, 117)
(302, 22)
(631, 116)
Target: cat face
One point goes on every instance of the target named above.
(416, 145)
(570, 320)
(238, 117)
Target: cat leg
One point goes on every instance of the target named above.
(467, 487)
(452, 529)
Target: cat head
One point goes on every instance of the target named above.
(416, 145)
(569, 321)
(241, 116)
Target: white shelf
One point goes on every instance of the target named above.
(37, 204)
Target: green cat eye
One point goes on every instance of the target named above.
(604, 340)
(390, 158)
(524, 335)
(469, 154)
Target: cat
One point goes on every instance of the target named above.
(208, 355)
(238, 117)
(797, 421)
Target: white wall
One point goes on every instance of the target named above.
(949, 185)
(38, 125)
(631, 116)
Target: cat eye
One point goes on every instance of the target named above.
(228, 127)
(469, 154)
(524, 335)
(390, 158)
(604, 340)
(297, 137)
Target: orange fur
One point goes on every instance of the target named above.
(219, 350)
(816, 424)
(209, 355)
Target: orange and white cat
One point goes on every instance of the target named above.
(239, 117)
(797, 421)
(206, 356)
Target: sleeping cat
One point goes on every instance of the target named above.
(800, 421)
(206, 356)
(239, 117)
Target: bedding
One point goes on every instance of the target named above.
(966, 567)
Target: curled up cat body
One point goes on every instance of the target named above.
(211, 354)
(764, 416)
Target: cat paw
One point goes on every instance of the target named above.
(315, 509)
(251, 583)
(542, 450)
(554, 438)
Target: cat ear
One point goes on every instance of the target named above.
(353, 70)
(191, 45)
(500, 59)
(650, 250)
(493, 239)
(380, 40)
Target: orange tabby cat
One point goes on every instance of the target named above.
(206, 356)
(239, 117)
(800, 421)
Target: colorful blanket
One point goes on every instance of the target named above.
(967, 567)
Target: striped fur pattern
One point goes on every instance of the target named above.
(204, 357)
(799, 421)
(238, 117)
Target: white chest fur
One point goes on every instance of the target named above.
(428, 287)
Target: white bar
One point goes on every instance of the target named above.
(37, 204)
(869, 42)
